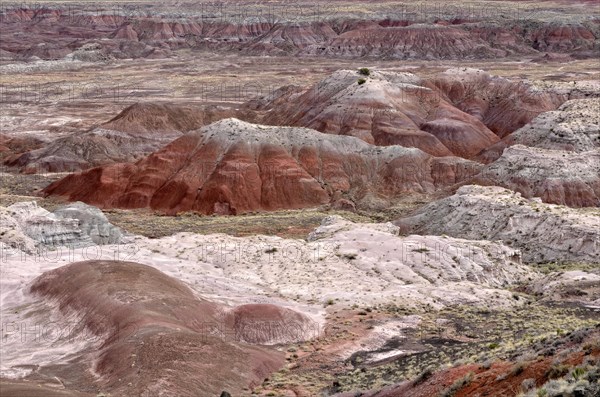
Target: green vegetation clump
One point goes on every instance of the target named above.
(551, 267)
(361, 81)
(364, 71)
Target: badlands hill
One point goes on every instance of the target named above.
(555, 157)
(13, 147)
(574, 126)
(231, 167)
(501, 104)
(135, 132)
(459, 112)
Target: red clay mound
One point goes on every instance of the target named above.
(501, 104)
(231, 167)
(12, 147)
(269, 324)
(159, 338)
(382, 108)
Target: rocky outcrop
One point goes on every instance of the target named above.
(26, 226)
(556, 176)
(231, 167)
(543, 232)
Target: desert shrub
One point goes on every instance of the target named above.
(518, 369)
(421, 250)
(423, 376)
(557, 371)
(364, 71)
(528, 384)
(361, 81)
(487, 364)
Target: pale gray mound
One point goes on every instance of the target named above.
(92, 222)
(26, 226)
(231, 130)
(91, 52)
(543, 232)
(556, 176)
(575, 126)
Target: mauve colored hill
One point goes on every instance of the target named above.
(460, 112)
(155, 331)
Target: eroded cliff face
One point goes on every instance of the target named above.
(151, 32)
(26, 226)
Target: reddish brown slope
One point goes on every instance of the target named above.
(502, 105)
(232, 167)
